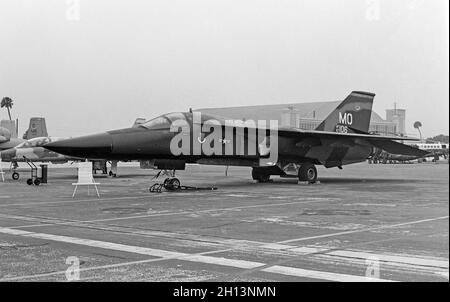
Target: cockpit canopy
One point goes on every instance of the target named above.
(165, 121)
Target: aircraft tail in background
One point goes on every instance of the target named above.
(351, 116)
(37, 128)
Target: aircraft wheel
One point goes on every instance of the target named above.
(260, 177)
(37, 182)
(29, 181)
(166, 181)
(15, 176)
(307, 172)
(173, 184)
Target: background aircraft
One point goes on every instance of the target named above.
(435, 150)
(341, 139)
(432, 152)
(30, 149)
(37, 128)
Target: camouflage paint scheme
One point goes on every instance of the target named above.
(32, 150)
(37, 128)
(341, 139)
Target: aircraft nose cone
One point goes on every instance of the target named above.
(97, 146)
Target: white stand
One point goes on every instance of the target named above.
(85, 178)
(2, 174)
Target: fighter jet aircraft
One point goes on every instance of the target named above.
(173, 140)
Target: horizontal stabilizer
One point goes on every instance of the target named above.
(397, 148)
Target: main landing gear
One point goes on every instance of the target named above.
(260, 175)
(306, 172)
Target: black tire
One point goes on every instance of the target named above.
(174, 184)
(307, 172)
(37, 182)
(15, 176)
(29, 181)
(260, 177)
(166, 181)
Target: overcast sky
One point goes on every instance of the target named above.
(125, 59)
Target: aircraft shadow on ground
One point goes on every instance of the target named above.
(228, 181)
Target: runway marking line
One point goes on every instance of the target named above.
(392, 258)
(167, 255)
(299, 272)
(348, 254)
(362, 230)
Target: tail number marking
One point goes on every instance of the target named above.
(344, 120)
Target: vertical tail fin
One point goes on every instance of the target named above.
(351, 116)
(37, 128)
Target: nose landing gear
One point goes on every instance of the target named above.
(173, 184)
(15, 175)
(170, 184)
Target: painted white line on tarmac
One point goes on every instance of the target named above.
(306, 250)
(303, 273)
(392, 258)
(277, 247)
(362, 230)
(166, 255)
(244, 264)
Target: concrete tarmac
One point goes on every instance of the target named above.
(364, 223)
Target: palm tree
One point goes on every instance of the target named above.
(417, 125)
(8, 103)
